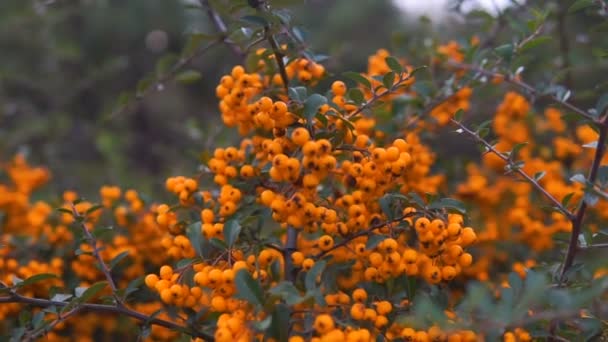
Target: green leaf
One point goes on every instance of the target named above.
(356, 95)
(312, 105)
(61, 297)
(117, 259)
(311, 277)
(248, 288)
(232, 229)
(36, 278)
(357, 77)
(374, 240)
(579, 178)
(195, 41)
(394, 64)
(385, 204)
(539, 175)
(505, 51)
(195, 236)
(84, 294)
(255, 19)
(579, 5)
(388, 80)
(449, 203)
(93, 209)
(535, 42)
(188, 76)
(288, 292)
(602, 104)
(297, 93)
(279, 328)
(458, 114)
(515, 151)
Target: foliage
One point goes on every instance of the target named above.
(334, 216)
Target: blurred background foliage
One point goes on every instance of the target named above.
(64, 63)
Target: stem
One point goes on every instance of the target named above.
(577, 222)
(220, 26)
(122, 310)
(525, 86)
(376, 97)
(290, 247)
(531, 180)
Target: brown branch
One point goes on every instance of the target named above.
(507, 160)
(96, 253)
(525, 86)
(577, 222)
(123, 310)
(368, 231)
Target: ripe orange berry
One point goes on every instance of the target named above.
(359, 295)
(326, 242)
(323, 323)
(338, 88)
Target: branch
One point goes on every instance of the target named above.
(376, 96)
(158, 83)
(363, 233)
(507, 160)
(577, 222)
(525, 86)
(102, 265)
(220, 26)
(17, 298)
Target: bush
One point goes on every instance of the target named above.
(334, 217)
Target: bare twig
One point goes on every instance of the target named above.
(220, 26)
(577, 222)
(122, 310)
(96, 253)
(507, 160)
(525, 86)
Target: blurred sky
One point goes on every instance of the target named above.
(437, 9)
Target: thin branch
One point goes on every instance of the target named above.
(123, 310)
(525, 86)
(96, 253)
(577, 222)
(220, 26)
(507, 160)
(594, 246)
(377, 97)
(368, 231)
(61, 317)
(160, 81)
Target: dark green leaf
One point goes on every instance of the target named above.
(232, 229)
(356, 95)
(311, 277)
(374, 240)
(579, 5)
(388, 80)
(248, 288)
(36, 278)
(357, 77)
(84, 294)
(117, 259)
(312, 105)
(394, 64)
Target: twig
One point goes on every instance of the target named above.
(368, 231)
(102, 265)
(531, 90)
(122, 310)
(594, 246)
(507, 160)
(376, 96)
(577, 222)
(48, 328)
(161, 80)
(220, 26)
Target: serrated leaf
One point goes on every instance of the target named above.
(36, 278)
(248, 288)
(188, 76)
(84, 293)
(310, 280)
(394, 64)
(357, 77)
